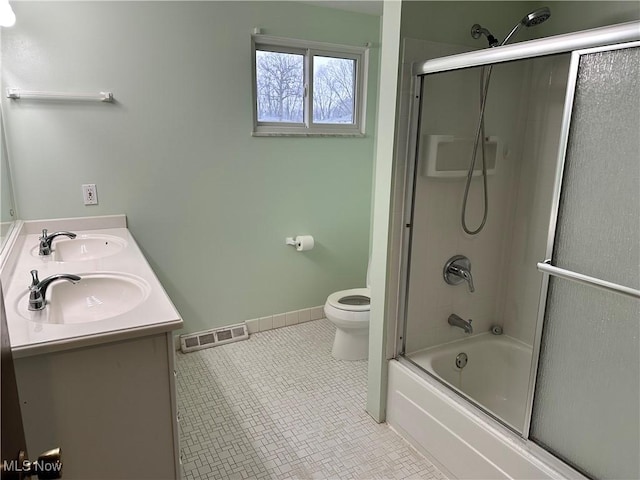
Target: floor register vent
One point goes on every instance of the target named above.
(213, 338)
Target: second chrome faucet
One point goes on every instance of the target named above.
(46, 240)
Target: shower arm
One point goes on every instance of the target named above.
(477, 31)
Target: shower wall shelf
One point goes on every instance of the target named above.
(17, 94)
(448, 156)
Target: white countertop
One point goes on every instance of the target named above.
(154, 315)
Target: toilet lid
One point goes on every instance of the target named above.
(354, 300)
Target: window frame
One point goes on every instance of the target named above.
(309, 49)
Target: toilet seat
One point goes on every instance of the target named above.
(334, 300)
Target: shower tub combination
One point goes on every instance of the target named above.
(511, 405)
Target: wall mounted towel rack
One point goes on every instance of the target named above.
(17, 94)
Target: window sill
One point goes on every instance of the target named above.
(309, 134)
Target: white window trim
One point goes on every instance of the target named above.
(308, 128)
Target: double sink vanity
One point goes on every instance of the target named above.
(94, 360)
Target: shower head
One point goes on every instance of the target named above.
(536, 17)
(531, 19)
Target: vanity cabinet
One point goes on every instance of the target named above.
(111, 407)
(95, 366)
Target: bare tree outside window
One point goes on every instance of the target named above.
(280, 86)
(333, 90)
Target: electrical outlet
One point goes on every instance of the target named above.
(90, 194)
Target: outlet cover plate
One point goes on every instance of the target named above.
(90, 194)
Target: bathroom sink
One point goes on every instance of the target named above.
(97, 296)
(85, 247)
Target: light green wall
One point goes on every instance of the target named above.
(209, 205)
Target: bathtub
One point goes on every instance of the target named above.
(496, 374)
(459, 438)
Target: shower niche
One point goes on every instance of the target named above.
(447, 156)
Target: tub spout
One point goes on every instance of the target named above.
(455, 321)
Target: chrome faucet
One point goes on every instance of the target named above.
(455, 321)
(38, 289)
(458, 270)
(45, 240)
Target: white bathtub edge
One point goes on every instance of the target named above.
(462, 443)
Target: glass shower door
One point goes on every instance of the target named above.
(586, 406)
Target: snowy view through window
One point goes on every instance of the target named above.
(333, 80)
(280, 88)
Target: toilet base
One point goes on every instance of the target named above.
(351, 344)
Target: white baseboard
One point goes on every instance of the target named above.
(278, 320)
(286, 319)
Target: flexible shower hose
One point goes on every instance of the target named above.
(480, 136)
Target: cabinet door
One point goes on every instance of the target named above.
(13, 441)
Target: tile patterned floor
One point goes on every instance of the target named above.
(279, 406)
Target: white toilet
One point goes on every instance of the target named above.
(348, 310)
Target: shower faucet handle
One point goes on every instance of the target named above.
(458, 270)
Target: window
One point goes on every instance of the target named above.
(307, 88)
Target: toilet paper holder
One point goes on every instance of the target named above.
(301, 242)
(290, 241)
